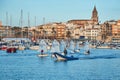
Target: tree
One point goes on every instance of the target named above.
(25, 33)
(68, 34)
(54, 32)
(17, 34)
(34, 33)
(44, 33)
(17, 31)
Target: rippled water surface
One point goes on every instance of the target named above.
(101, 64)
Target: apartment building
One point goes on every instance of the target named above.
(92, 32)
(106, 30)
(116, 32)
(61, 31)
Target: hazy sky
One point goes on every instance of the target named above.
(57, 10)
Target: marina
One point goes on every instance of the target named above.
(59, 40)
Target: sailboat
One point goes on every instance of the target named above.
(71, 47)
(42, 49)
(62, 45)
(27, 45)
(21, 46)
(87, 48)
(35, 44)
(77, 47)
(55, 47)
(10, 48)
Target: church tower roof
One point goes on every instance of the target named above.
(94, 15)
(94, 10)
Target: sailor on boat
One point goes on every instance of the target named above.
(65, 52)
(42, 52)
(88, 52)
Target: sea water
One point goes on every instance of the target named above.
(101, 64)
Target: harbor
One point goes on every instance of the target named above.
(59, 40)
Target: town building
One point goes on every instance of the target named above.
(70, 30)
(116, 32)
(92, 32)
(52, 31)
(61, 31)
(77, 33)
(106, 30)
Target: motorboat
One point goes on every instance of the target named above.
(34, 47)
(3, 47)
(61, 57)
(21, 47)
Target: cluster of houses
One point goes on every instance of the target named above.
(90, 29)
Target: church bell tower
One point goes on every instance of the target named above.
(94, 15)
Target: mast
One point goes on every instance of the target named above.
(28, 25)
(7, 23)
(43, 28)
(21, 23)
(35, 29)
(10, 25)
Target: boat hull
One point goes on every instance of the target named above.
(3, 48)
(42, 55)
(11, 50)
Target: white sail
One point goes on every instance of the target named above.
(62, 45)
(55, 46)
(71, 46)
(43, 46)
(86, 47)
(77, 47)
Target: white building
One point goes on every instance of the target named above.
(92, 32)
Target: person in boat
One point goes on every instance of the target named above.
(42, 52)
(65, 52)
(88, 52)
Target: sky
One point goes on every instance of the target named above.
(47, 11)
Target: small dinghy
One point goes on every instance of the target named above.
(42, 55)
